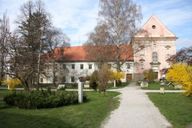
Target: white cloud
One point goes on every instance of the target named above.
(78, 16)
(171, 12)
(75, 17)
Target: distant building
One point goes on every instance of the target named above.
(150, 49)
(157, 44)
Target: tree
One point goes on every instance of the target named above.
(27, 43)
(97, 47)
(117, 23)
(184, 56)
(117, 76)
(4, 40)
(56, 41)
(181, 74)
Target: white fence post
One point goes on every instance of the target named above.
(80, 91)
(114, 83)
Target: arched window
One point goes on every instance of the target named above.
(155, 57)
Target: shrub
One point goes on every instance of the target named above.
(150, 75)
(116, 75)
(42, 99)
(104, 75)
(181, 74)
(94, 80)
(71, 85)
(12, 83)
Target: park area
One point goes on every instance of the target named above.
(176, 107)
(88, 114)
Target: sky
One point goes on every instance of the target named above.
(77, 18)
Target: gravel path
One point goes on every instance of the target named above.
(135, 111)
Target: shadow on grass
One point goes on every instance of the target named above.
(13, 120)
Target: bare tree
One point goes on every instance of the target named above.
(119, 18)
(97, 47)
(56, 41)
(4, 39)
(183, 56)
(19, 65)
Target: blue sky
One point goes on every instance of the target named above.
(77, 18)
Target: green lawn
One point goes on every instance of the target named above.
(156, 86)
(86, 115)
(176, 107)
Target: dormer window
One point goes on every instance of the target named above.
(153, 27)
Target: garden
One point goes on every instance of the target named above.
(88, 114)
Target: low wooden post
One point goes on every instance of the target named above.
(80, 91)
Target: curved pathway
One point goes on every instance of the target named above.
(135, 111)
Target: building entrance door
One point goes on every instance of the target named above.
(129, 77)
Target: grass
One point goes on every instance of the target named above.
(156, 86)
(86, 115)
(176, 107)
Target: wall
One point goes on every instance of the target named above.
(77, 72)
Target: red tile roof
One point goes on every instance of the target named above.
(78, 54)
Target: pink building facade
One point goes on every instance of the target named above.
(153, 45)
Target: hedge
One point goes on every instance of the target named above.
(42, 99)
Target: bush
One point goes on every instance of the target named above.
(12, 83)
(103, 77)
(42, 99)
(71, 85)
(94, 80)
(150, 75)
(181, 74)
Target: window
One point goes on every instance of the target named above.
(73, 66)
(81, 66)
(128, 66)
(41, 80)
(154, 57)
(64, 66)
(109, 66)
(56, 66)
(72, 79)
(153, 26)
(90, 66)
(141, 47)
(64, 79)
